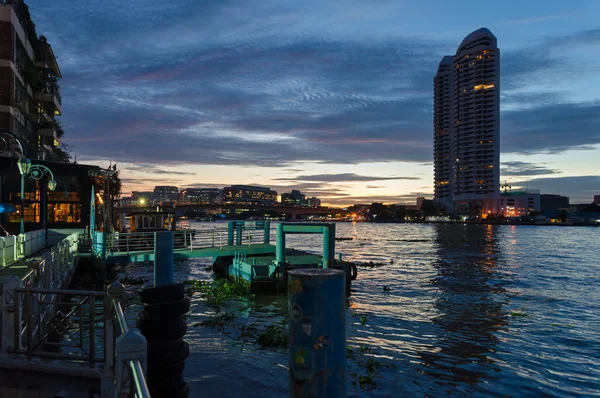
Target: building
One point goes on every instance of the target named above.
(142, 198)
(205, 196)
(597, 199)
(294, 198)
(165, 194)
(467, 127)
(519, 203)
(314, 202)
(29, 94)
(549, 203)
(249, 195)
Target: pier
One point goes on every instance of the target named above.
(51, 332)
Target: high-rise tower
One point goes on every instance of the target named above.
(473, 129)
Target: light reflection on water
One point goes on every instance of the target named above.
(472, 310)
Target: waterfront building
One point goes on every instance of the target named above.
(314, 202)
(467, 127)
(294, 198)
(550, 203)
(29, 94)
(164, 193)
(143, 198)
(519, 203)
(249, 195)
(203, 196)
(597, 199)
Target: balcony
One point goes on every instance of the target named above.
(49, 93)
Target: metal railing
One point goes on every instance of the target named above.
(188, 239)
(84, 327)
(126, 351)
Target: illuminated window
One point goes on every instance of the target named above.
(483, 87)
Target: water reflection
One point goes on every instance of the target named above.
(471, 297)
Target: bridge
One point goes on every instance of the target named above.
(294, 211)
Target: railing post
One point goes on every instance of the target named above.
(267, 232)
(317, 332)
(11, 315)
(114, 292)
(130, 346)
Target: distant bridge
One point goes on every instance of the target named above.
(180, 209)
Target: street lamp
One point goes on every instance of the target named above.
(36, 172)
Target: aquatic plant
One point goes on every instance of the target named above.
(219, 320)
(217, 292)
(363, 320)
(371, 365)
(342, 238)
(518, 314)
(387, 289)
(367, 382)
(128, 280)
(273, 336)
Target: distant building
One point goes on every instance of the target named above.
(550, 203)
(294, 198)
(516, 204)
(597, 199)
(314, 202)
(249, 195)
(142, 198)
(205, 196)
(467, 127)
(165, 194)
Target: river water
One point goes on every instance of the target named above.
(452, 310)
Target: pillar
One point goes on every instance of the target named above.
(11, 315)
(163, 258)
(317, 332)
(100, 246)
(267, 232)
(328, 245)
(280, 245)
(230, 228)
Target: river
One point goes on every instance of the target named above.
(452, 310)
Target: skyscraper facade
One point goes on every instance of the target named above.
(467, 142)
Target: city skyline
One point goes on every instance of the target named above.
(334, 100)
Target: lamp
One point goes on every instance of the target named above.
(52, 185)
(24, 165)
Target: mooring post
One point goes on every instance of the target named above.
(267, 234)
(100, 246)
(163, 258)
(230, 226)
(328, 245)
(317, 332)
(280, 245)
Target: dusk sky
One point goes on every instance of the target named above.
(333, 98)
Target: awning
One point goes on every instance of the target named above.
(6, 208)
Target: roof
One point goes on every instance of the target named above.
(476, 35)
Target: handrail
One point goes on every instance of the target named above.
(120, 316)
(139, 380)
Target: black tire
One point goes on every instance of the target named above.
(353, 271)
(155, 329)
(182, 391)
(166, 359)
(161, 294)
(164, 345)
(168, 309)
(174, 368)
(165, 380)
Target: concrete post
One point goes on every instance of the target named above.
(230, 227)
(130, 346)
(328, 245)
(280, 245)
(100, 246)
(11, 315)
(163, 258)
(114, 292)
(238, 233)
(317, 328)
(267, 232)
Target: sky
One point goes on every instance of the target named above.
(333, 98)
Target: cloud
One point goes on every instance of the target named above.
(342, 177)
(524, 169)
(580, 189)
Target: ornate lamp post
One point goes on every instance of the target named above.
(36, 172)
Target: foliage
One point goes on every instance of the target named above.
(363, 320)
(216, 293)
(273, 336)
